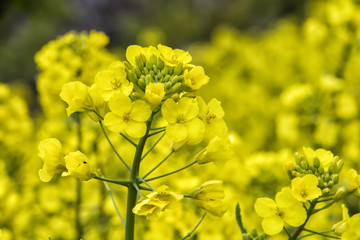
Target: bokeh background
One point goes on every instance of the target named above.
(285, 71)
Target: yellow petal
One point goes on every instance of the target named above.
(285, 198)
(135, 129)
(272, 225)
(114, 123)
(176, 132)
(196, 131)
(169, 111)
(215, 108)
(140, 111)
(120, 104)
(188, 107)
(131, 52)
(265, 207)
(295, 215)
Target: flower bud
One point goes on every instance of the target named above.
(316, 162)
(153, 59)
(321, 170)
(155, 69)
(304, 165)
(139, 62)
(340, 194)
(297, 158)
(178, 69)
(78, 166)
(335, 178)
(148, 65)
(154, 92)
(131, 76)
(145, 70)
(325, 191)
(253, 232)
(137, 72)
(148, 79)
(333, 168)
(340, 164)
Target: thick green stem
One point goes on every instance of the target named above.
(301, 228)
(132, 192)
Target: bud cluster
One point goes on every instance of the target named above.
(327, 176)
(254, 235)
(154, 70)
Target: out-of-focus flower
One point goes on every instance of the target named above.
(325, 157)
(341, 227)
(285, 209)
(50, 151)
(210, 196)
(218, 150)
(212, 115)
(76, 95)
(155, 203)
(354, 180)
(126, 116)
(305, 188)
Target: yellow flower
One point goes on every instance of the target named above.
(352, 231)
(113, 81)
(354, 180)
(154, 92)
(325, 157)
(155, 203)
(285, 209)
(218, 150)
(305, 188)
(133, 50)
(78, 166)
(342, 226)
(126, 116)
(209, 196)
(183, 124)
(98, 101)
(173, 57)
(50, 151)
(76, 95)
(195, 78)
(212, 115)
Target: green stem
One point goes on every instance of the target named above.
(101, 117)
(158, 165)
(154, 133)
(132, 192)
(238, 219)
(318, 233)
(112, 198)
(324, 207)
(143, 181)
(286, 231)
(128, 139)
(301, 228)
(167, 174)
(158, 128)
(113, 148)
(152, 147)
(80, 230)
(119, 182)
(195, 227)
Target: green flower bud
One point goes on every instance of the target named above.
(139, 62)
(159, 63)
(165, 71)
(175, 79)
(159, 76)
(131, 76)
(297, 168)
(340, 164)
(326, 177)
(316, 162)
(340, 194)
(166, 78)
(152, 73)
(321, 182)
(155, 68)
(330, 184)
(148, 65)
(253, 232)
(148, 79)
(168, 85)
(304, 165)
(335, 178)
(333, 168)
(145, 70)
(153, 59)
(321, 170)
(127, 65)
(262, 236)
(141, 83)
(137, 72)
(171, 70)
(326, 191)
(178, 69)
(177, 87)
(297, 158)
(312, 168)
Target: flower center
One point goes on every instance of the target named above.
(209, 117)
(180, 118)
(127, 117)
(304, 193)
(116, 83)
(280, 212)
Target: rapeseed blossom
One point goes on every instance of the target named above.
(183, 123)
(113, 81)
(325, 157)
(195, 78)
(76, 95)
(50, 151)
(126, 116)
(155, 203)
(285, 209)
(77, 165)
(218, 151)
(354, 180)
(154, 92)
(210, 196)
(173, 57)
(305, 188)
(133, 51)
